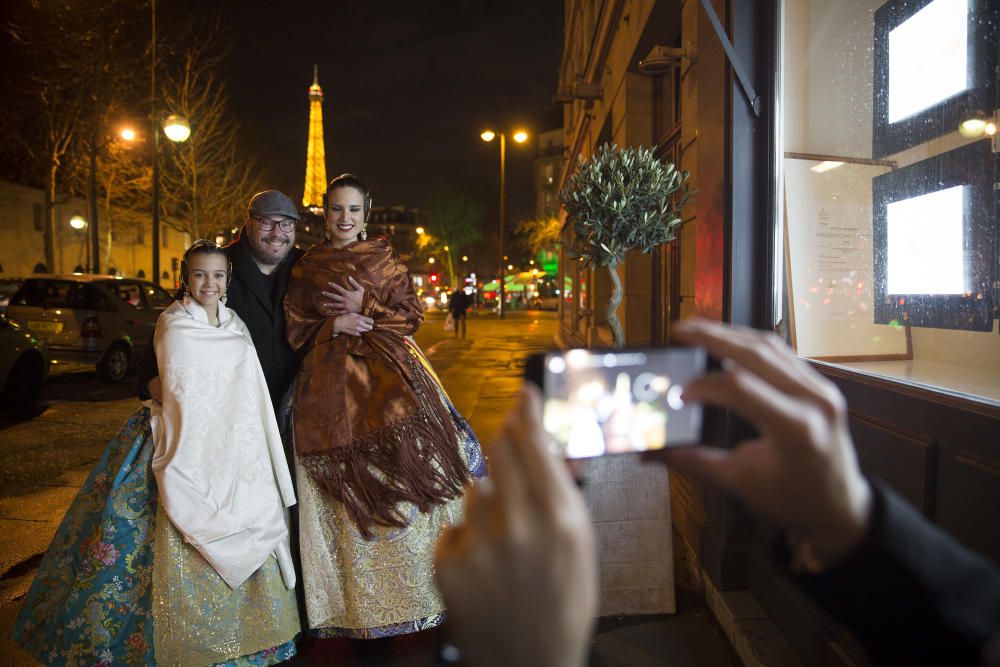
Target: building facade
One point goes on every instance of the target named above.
(22, 247)
(822, 196)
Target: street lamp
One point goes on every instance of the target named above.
(94, 241)
(78, 223)
(177, 130)
(520, 136)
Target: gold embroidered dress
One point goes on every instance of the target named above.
(223, 581)
(380, 453)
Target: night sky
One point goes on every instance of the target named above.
(409, 86)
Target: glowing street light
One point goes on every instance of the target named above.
(431, 260)
(127, 133)
(77, 222)
(520, 136)
(465, 258)
(420, 231)
(176, 128)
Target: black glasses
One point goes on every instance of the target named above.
(285, 225)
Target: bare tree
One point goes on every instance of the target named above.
(82, 59)
(205, 180)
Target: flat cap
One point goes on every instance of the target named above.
(272, 202)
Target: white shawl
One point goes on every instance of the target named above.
(218, 459)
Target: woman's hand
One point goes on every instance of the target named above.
(352, 324)
(344, 300)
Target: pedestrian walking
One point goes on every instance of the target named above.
(380, 453)
(458, 304)
(176, 550)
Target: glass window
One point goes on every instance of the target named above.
(88, 297)
(157, 297)
(129, 293)
(889, 215)
(43, 294)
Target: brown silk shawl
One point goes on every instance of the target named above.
(369, 424)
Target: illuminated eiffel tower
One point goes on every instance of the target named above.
(312, 197)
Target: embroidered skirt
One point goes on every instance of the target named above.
(366, 589)
(118, 585)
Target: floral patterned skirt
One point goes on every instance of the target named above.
(92, 602)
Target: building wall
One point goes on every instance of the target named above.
(22, 244)
(630, 502)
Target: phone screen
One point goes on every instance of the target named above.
(613, 402)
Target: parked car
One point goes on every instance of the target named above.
(24, 363)
(91, 319)
(544, 303)
(8, 286)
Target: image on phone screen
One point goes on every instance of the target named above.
(600, 403)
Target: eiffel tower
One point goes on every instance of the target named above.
(312, 197)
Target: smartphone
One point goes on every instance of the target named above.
(599, 402)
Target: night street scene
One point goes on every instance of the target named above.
(466, 332)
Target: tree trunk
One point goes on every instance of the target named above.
(49, 232)
(613, 303)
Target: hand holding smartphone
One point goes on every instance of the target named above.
(599, 402)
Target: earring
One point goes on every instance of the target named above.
(224, 296)
(364, 232)
(185, 296)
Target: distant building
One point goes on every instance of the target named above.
(399, 224)
(22, 246)
(549, 163)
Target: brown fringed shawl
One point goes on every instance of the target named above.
(369, 425)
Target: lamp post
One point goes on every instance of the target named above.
(79, 224)
(177, 130)
(520, 137)
(93, 262)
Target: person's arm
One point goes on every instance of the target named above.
(519, 576)
(910, 593)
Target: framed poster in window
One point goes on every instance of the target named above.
(934, 67)
(934, 238)
(828, 247)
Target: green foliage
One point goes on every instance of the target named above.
(621, 200)
(454, 222)
(541, 235)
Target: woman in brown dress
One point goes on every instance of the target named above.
(381, 455)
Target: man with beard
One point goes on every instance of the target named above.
(262, 258)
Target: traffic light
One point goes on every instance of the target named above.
(434, 277)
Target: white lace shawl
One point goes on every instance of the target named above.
(219, 462)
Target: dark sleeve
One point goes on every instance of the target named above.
(146, 371)
(910, 593)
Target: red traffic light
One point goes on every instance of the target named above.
(434, 277)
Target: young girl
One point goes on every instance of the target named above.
(176, 550)
(381, 455)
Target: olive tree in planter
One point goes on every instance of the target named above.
(621, 200)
